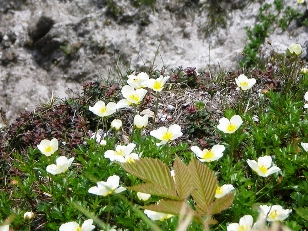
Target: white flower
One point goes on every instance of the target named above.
(244, 83)
(206, 155)
(262, 167)
(295, 48)
(306, 99)
(136, 81)
(105, 188)
(156, 84)
(156, 215)
(62, 164)
(74, 226)
(304, 70)
(230, 126)
(223, 190)
(274, 212)
(48, 147)
(28, 215)
(131, 96)
(102, 110)
(5, 228)
(245, 224)
(141, 121)
(300, 1)
(166, 134)
(116, 124)
(122, 153)
(143, 196)
(305, 146)
(103, 142)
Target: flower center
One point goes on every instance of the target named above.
(263, 169)
(119, 153)
(167, 135)
(48, 148)
(157, 85)
(273, 214)
(134, 98)
(79, 229)
(242, 228)
(231, 127)
(244, 84)
(208, 154)
(219, 190)
(103, 109)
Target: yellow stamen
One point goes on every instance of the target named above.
(103, 109)
(219, 190)
(263, 169)
(167, 136)
(134, 98)
(208, 154)
(242, 228)
(244, 84)
(79, 229)
(48, 149)
(273, 214)
(231, 127)
(157, 85)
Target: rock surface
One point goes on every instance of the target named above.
(51, 47)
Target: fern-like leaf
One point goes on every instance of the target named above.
(169, 207)
(183, 182)
(204, 184)
(152, 171)
(155, 189)
(302, 212)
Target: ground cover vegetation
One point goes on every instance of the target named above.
(145, 151)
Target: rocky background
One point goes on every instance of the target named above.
(50, 47)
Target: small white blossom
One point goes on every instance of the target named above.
(166, 134)
(116, 124)
(305, 146)
(274, 212)
(263, 166)
(244, 83)
(143, 196)
(102, 110)
(141, 121)
(157, 84)
(105, 188)
(28, 215)
(295, 48)
(156, 215)
(223, 190)
(48, 147)
(136, 81)
(207, 155)
(122, 153)
(5, 228)
(245, 224)
(62, 164)
(230, 126)
(74, 226)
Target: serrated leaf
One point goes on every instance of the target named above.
(183, 182)
(155, 189)
(204, 184)
(221, 204)
(168, 206)
(302, 212)
(152, 171)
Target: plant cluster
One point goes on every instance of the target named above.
(147, 177)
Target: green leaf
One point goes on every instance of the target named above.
(183, 182)
(155, 189)
(221, 204)
(204, 184)
(152, 171)
(302, 212)
(169, 207)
